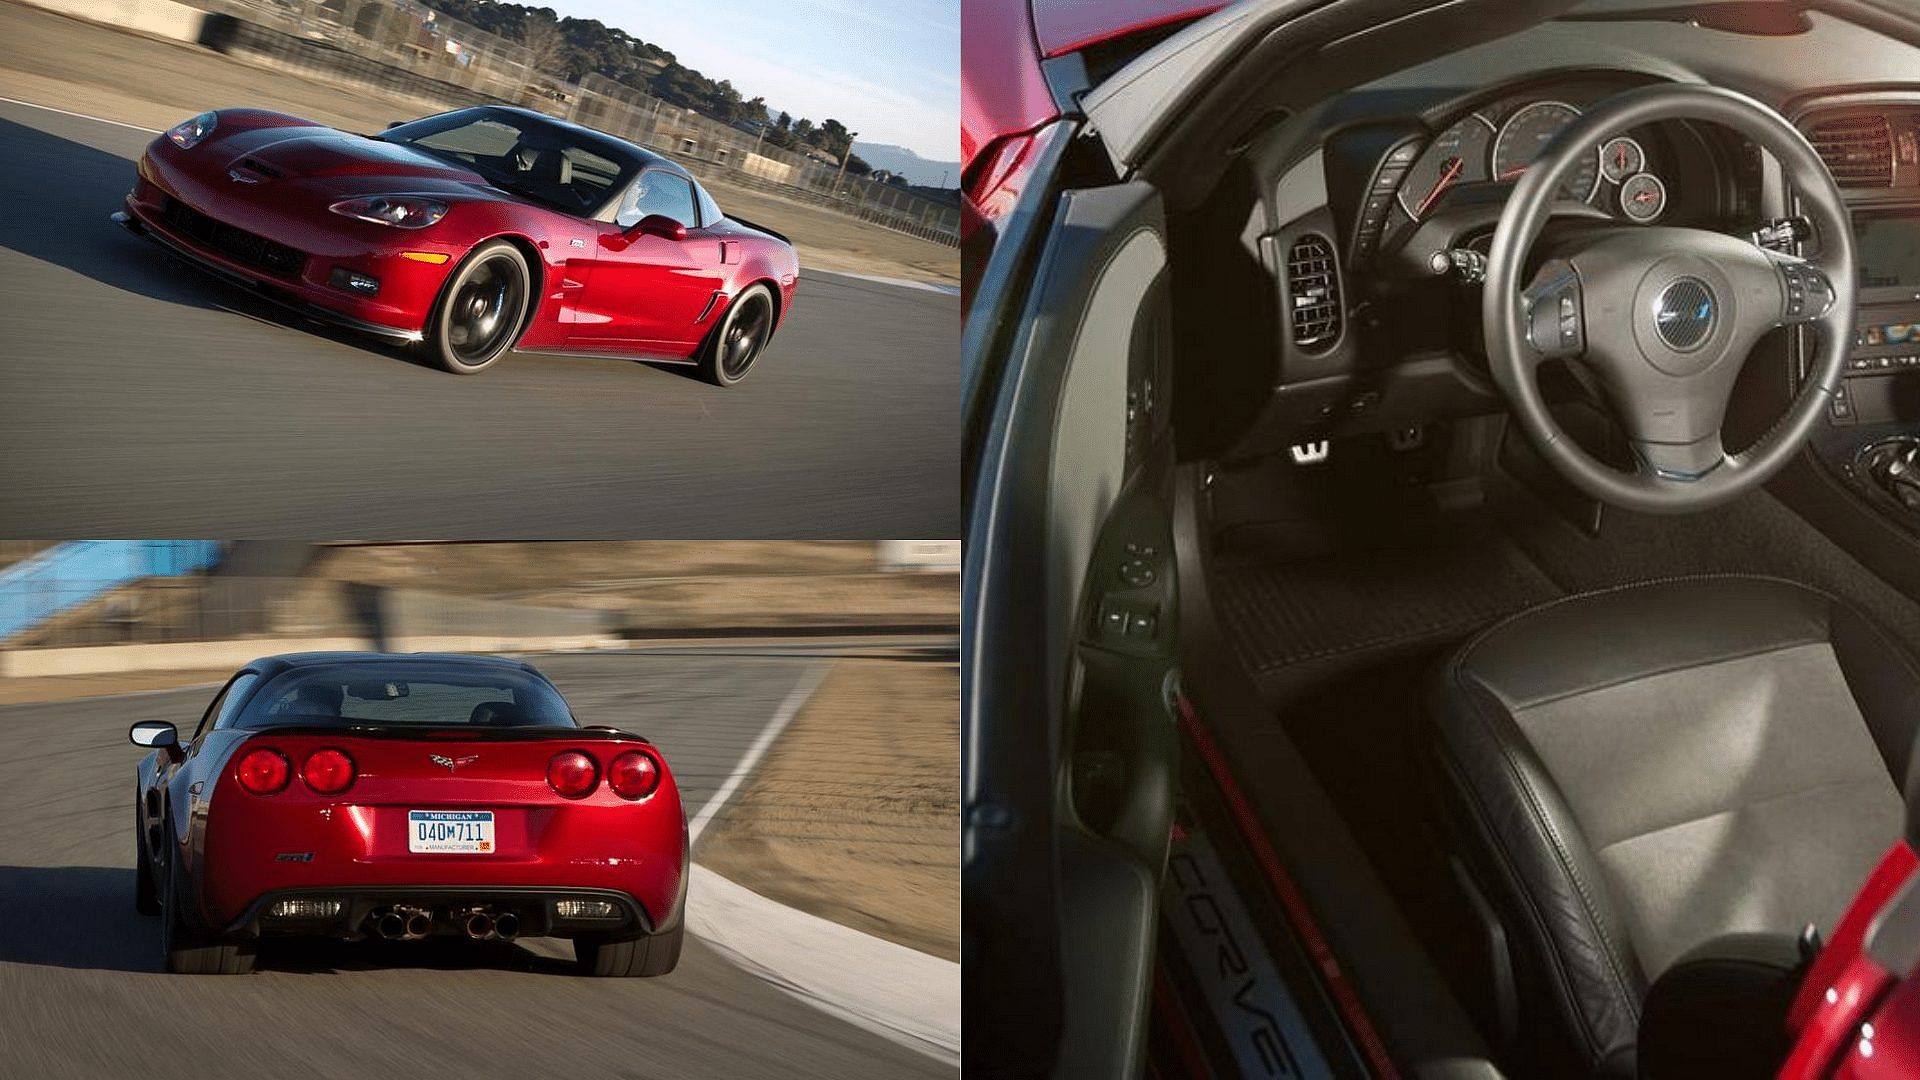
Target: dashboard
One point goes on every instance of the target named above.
(1456, 162)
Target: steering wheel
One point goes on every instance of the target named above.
(1664, 318)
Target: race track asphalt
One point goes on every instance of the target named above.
(84, 996)
(141, 397)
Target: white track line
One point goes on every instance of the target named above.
(79, 115)
(782, 716)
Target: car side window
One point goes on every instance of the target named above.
(227, 702)
(657, 191)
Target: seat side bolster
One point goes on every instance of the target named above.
(1545, 872)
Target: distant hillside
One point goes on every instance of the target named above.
(917, 170)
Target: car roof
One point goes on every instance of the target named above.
(644, 157)
(273, 665)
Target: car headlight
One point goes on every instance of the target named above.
(190, 131)
(400, 211)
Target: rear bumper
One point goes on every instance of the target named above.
(536, 908)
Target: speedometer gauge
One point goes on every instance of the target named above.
(1457, 155)
(1526, 132)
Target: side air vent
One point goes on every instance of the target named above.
(1858, 150)
(1315, 288)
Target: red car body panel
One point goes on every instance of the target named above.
(1852, 1018)
(600, 289)
(1003, 91)
(358, 839)
(1065, 26)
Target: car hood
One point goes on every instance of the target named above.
(321, 153)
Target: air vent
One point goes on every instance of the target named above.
(1314, 285)
(1858, 150)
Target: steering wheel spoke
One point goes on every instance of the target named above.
(1683, 463)
(1806, 293)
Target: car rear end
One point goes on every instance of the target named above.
(515, 832)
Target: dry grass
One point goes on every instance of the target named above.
(855, 814)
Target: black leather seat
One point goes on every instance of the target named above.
(1638, 770)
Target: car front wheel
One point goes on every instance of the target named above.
(478, 315)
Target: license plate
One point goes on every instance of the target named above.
(466, 831)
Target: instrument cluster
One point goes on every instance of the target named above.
(1497, 144)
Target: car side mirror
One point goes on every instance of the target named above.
(391, 124)
(156, 735)
(659, 225)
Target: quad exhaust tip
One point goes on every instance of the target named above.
(412, 924)
(406, 923)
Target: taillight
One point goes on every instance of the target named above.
(572, 773)
(633, 775)
(328, 772)
(263, 772)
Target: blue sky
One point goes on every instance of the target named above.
(888, 69)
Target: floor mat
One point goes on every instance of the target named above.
(1283, 614)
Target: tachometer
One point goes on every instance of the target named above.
(1527, 131)
(1455, 156)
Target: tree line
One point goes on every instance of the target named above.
(569, 48)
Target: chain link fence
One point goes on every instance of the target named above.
(409, 51)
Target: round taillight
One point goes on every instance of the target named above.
(263, 772)
(572, 773)
(633, 775)
(328, 772)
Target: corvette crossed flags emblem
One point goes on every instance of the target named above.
(452, 763)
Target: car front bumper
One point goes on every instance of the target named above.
(288, 251)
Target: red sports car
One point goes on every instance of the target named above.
(470, 233)
(348, 795)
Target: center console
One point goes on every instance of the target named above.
(1871, 145)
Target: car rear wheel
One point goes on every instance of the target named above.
(187, 953)
(146, 899)
(740, 338)
(642, 957)
(478, 316)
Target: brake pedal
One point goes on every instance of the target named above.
(1311, 453)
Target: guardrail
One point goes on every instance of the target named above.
(67, 575)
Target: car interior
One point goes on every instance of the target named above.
(1491, 631)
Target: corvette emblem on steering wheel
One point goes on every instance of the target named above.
(1683, 315)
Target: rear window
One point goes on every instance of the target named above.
(413, 694)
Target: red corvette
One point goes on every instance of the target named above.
(470, 233)
(349, 795)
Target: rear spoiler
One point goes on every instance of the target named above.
(737, 220)
(470, 732)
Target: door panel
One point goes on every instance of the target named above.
(646, 291)
(1069, 646)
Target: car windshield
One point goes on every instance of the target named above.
(406, 693)
(546, 162)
